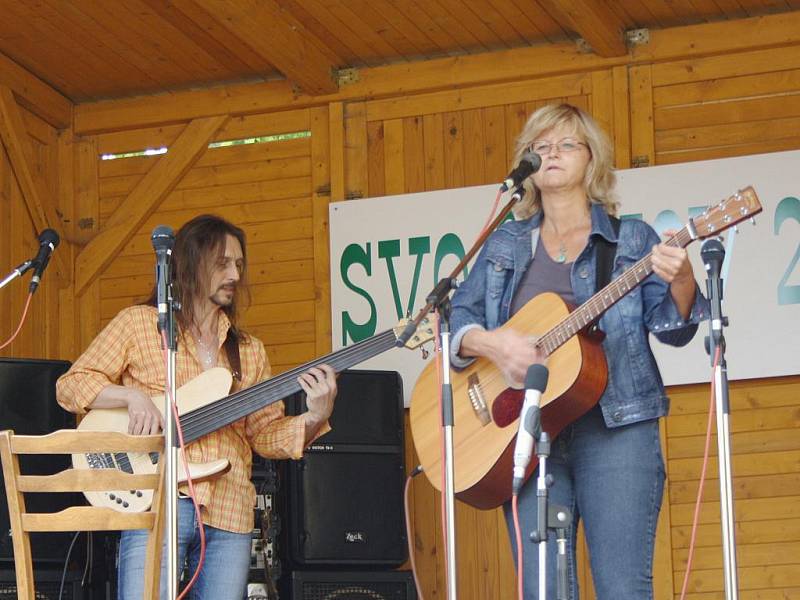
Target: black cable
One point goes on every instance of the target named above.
(66, 564)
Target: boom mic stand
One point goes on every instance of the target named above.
(713, 253)
(439, 299)
(17, 271)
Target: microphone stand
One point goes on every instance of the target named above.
(166, 324)
(549, 517)
(438, 300)
(16, 272)
(713, 253)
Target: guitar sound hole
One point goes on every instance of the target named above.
(507, 406)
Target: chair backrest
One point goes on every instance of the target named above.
(80, 518)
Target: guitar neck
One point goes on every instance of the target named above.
(589, 311)
(204, 420)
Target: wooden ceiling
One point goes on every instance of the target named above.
(94, 49)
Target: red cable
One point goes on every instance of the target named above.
(21, 322)
(189, 482)
(518, 535)
(697, 505)
(491, 214)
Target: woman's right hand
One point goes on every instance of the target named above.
(143, 416)
(511, 351)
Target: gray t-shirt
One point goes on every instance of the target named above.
(543, 275)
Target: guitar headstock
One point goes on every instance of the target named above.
(424, 332)
(744, 204)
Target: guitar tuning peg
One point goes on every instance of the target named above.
(752, 220)
(424, 353)
(735, 229)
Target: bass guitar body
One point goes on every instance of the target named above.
(486, 409)
(201, 391)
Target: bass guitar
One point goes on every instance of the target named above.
(204, 405)
(487, 409)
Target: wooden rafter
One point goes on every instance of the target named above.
(144, 199)
(442, 73)
(279, 38)
(18, 147)
(36, 95)
(594, 21)
(205, 31)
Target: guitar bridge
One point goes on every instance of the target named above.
(477, 400)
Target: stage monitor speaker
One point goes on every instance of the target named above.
(345, 496)
(342, 585)
(28, 406)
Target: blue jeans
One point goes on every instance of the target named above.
(613, 479)
(225, 570)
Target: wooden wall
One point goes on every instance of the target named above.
(693, 93)
(30, 151)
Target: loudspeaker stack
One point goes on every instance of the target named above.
(344, 498)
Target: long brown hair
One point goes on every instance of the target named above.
(198, 244)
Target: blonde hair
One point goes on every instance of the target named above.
(599, 180)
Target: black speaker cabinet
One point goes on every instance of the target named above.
(345, 497)
(338, 585)
(28, 406)
(48, 585)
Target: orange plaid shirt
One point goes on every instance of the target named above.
(128, 352)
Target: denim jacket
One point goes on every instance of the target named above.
(635, 391)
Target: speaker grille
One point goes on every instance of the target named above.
(392, 585)
(345, 496)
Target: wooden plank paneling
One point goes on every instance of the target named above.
(149, 191)
(448, 122)
(39, 332)
(320, 200)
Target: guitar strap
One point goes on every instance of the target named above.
(231, 346)
(605, 256)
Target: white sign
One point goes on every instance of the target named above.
(387, 254)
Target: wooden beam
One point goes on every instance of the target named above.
(18, 147)
(281, 39)
(144, 199)
(35, 95)
(320, 199)
(444, 73)
(594, 21)
(200, 27)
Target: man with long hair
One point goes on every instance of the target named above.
(124, 367)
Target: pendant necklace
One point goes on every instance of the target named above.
(205, 353)
(562, 252)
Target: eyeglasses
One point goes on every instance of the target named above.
(567, 145)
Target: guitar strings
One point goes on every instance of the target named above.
(605, 298)
(239, 404)
(242, 403)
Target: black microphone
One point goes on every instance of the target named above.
(528, 165)
(48, 240)
(713, 253)
(163, 239)
(529, 422)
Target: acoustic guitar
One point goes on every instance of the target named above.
(487, 409)
(204, 405)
